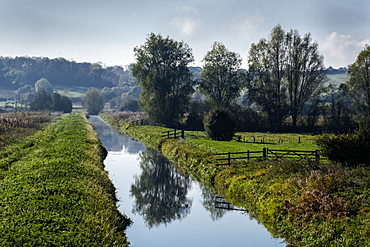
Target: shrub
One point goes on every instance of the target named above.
(219, 124)
(350, 150)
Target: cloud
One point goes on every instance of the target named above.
(244, 24)
(187, 21)
(341, 50)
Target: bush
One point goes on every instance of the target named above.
(219, 124)
(130, 105)
(350, 150)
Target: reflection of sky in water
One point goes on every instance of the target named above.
(113, 141)
(139, 173)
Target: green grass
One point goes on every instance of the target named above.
(55, 191)
(304, 202)
(254, 142)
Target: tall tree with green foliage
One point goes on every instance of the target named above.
(93, 101)
(161, 69)
(266, 72)
(359, 82)
(304, 71)
(221, 78)
(285, 72)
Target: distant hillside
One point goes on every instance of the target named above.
(20, 71)
(332, 71)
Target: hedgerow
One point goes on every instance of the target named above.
(56, 192)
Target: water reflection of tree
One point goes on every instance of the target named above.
(160, 192)
(209, 200)
(112, 140)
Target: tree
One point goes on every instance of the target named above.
(41, 102)
(61, 103)
(359, 82)
(93, 101)
(43, 85)
(162, 71)
(219, 124)
(221, 79)
(285, 72)
(304, 70)
(266, 71)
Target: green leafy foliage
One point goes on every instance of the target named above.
(56, 192)
(162, 70)
(44, 101)
(219, 124)
(93, 101)
(221, 78)
(350, 150)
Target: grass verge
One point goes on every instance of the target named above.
(56, 192)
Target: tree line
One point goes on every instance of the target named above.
(285, 84)
(21, 71)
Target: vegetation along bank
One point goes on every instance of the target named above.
(306, 203)
(55, 192)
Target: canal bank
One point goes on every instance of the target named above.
(167, 208)
(305, 203)
(56, 192)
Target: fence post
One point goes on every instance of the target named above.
(142, 122)
(174, 133)
(265, 153)
(248, 157)
(182, 134)
(168, 134)
(228, 158)
(299, 139)
(317, 156)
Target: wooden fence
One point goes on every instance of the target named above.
(229, 158)
(173, 134)
(137, 122)
(221, 203)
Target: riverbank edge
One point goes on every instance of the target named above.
(56, 191)
(268, 198)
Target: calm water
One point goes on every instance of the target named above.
(167, 208)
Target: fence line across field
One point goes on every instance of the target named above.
(227, 158)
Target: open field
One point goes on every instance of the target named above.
(254, 141)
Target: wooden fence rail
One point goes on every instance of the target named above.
(228, 158)
(173, 134)
(137, 122)
(221, 203)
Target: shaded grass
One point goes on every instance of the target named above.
(56, 192)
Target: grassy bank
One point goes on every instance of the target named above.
(55, 191)
(306, 203)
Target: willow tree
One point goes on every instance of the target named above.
(266, 61)
(304, 70)
(286, 71)
(162, 71)
(359, 82)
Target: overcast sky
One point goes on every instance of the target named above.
(107, 30)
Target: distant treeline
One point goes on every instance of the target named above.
(20, 71)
